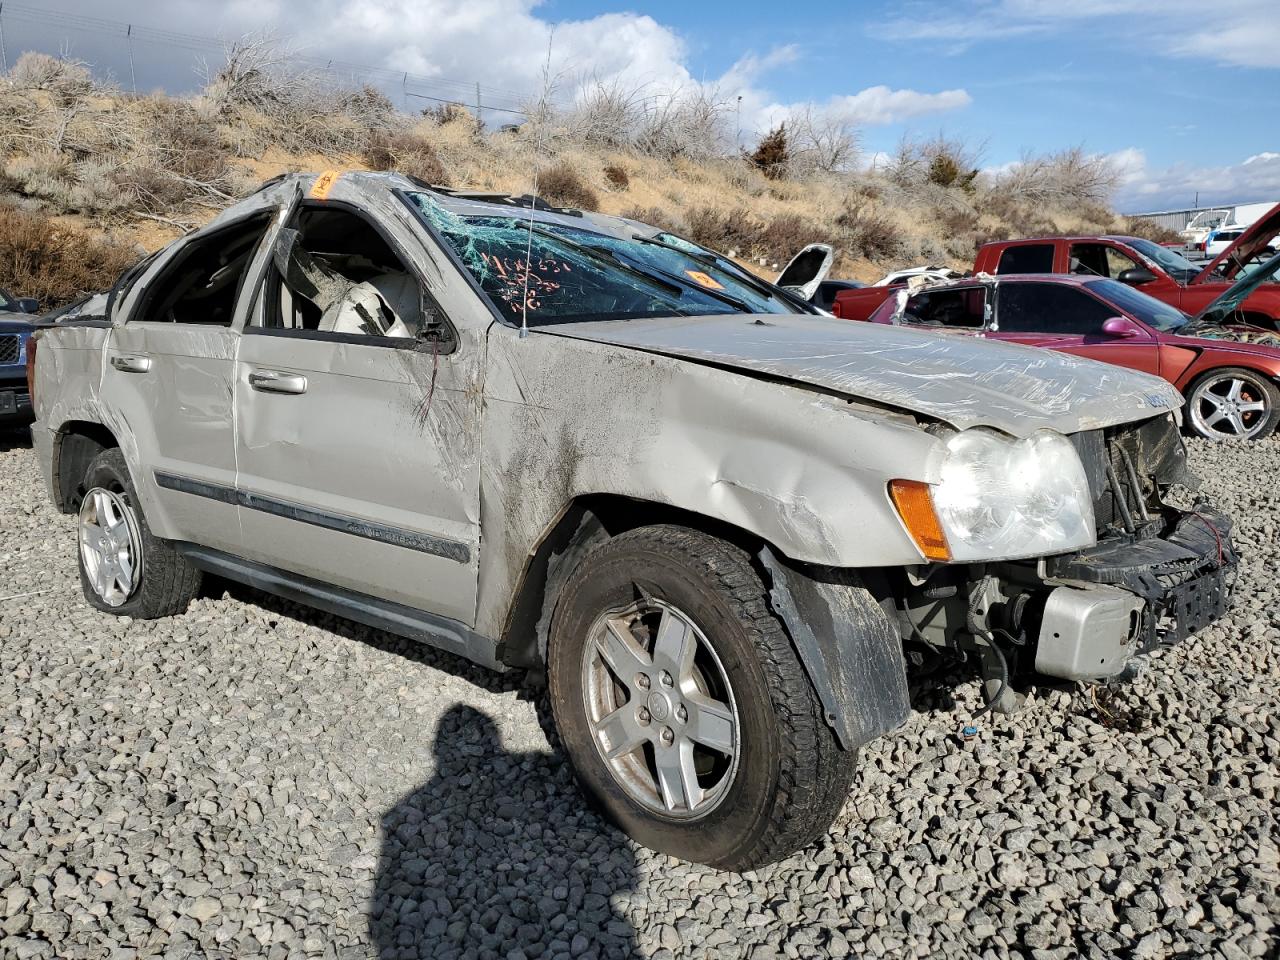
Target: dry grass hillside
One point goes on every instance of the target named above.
(92, 177)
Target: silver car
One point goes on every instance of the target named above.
(714, 518)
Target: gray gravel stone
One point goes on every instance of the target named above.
(253, 779)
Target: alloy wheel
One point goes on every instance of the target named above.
(110, 547)
(661, 710)
(1228, 408)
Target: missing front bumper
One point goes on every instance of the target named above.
(1121, 599)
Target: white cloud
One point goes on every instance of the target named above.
(880, 105)
(1257, 178)
(1243, 33)
(504, 44)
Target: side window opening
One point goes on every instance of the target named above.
(1027, 258)
(1099, 260)
(200, 286)
(334, 273)
(1050, 308)
(963, 309)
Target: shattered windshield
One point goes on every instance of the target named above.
(1174, 264)
(559, 274)
(1152, 312)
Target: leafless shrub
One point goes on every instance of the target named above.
(939, 160)
(820, 142)
(785, 235)
(727, 231)
(66, 79)
(867, 233)
(1148, 229)
(1020, 219)
(687, 123)
(606, 114)
(258, 72)
(617, 176)
(44, 174)
(191, 152)
(367, 107)
(562, 186)
(1067, 176)
(407, 153)
(53, 263)
(149, 188)
(442, 113)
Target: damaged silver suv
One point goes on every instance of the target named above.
(565, 442)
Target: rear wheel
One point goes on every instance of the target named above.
(1233, 404)
(123, 568)
(683, 706)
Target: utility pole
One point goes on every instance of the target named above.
(479, 116)
(4, 57)
(737, 137)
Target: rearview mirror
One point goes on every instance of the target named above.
(1122, 328)
(28, 305)
(1135, 276)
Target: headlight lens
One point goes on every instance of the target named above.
(1001, 498)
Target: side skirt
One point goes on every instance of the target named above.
(428, 628)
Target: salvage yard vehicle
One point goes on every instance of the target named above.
(1229, 371)
(1156, 270)
(552, 440)
(15, 331)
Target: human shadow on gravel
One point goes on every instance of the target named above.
(498, 852)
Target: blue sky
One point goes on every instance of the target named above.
(1181, 94)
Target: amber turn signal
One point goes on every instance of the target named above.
(915, 506)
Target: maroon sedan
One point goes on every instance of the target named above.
(1226, 369)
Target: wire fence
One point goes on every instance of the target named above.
(144, 57)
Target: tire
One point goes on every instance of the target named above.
(1211, 396)
(787, 776)
(160, 582)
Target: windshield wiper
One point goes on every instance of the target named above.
(717, 263)
(740, 305)
(607, 257)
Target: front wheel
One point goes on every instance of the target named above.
(1233, 404)
(683, 706)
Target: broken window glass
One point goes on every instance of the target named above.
(558, 274)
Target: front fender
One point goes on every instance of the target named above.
(801, 470)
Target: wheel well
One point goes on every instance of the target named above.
(586, 522)
(77, 443)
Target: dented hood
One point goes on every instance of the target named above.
(960, 380)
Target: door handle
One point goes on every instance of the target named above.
(274, 381)
(131, 364)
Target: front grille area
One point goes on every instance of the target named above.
(10, 347)
(1126, 466)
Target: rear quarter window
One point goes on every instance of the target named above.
(1028, 258)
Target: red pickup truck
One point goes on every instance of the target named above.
(1155, 270)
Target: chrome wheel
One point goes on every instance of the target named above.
(110, 548)
(1228, 407)
(660, 708)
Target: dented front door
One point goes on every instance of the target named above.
(359, 464)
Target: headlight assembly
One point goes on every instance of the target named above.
(1000, 498)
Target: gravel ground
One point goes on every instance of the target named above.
(254, 779)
